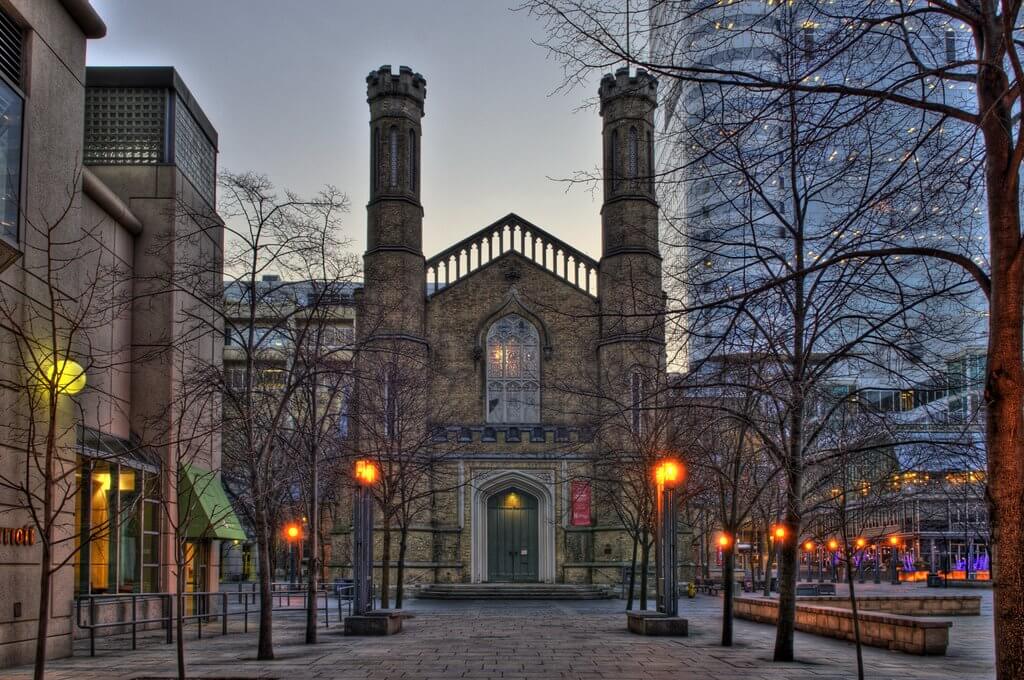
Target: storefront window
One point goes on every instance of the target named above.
(117, 517)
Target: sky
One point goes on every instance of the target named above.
(284, 85)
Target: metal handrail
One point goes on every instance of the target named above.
(167, 617)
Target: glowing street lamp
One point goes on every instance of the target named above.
(668, 474)
(894, 555)
(65, 376)
(366, 475)
(724, 541)
(292, 533)
(860, 543)
(366, 472)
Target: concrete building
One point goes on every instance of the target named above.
(101, 167)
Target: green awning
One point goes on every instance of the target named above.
(204, 509)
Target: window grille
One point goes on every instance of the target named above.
(11, 44)
(125, 125)
(194, 154)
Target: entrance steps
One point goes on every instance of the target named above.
(514, 591)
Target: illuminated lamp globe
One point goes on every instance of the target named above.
(833, 544)
(724, 540)
(780, 532)
(66, 375)
(292, 531)
(894, 540)
(809, 546)
(861, 542)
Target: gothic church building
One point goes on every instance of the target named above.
(496, 382)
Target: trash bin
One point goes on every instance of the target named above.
(934, 581)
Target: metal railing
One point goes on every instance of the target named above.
(127, 610)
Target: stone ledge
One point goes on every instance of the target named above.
(377, 622)
(908, 634)
(657, 624)
(909, 605)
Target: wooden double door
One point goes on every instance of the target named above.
(512, 545)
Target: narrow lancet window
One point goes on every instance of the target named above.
(633, 153)
(393, 155)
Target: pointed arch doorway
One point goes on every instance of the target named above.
(512, 537)
(539, 486)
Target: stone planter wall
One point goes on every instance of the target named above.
(877, 629)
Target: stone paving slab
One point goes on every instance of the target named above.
(530, 641)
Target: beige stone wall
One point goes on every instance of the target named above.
(52, 138)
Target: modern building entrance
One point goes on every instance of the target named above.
(512, 546)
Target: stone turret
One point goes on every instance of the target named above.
(394, 296)
(630, 289)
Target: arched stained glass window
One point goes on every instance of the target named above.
(393, 155)
(633, 153)
(513, 371)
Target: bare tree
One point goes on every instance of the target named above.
(53, 322)
(956, 65)
(271, 240)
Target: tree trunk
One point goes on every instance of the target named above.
(385, 563)
(632, 575)
(1005, 430)
(403, 536)
(728, 584)
(644, 562)
(856, 622)
(43, 627)
(314, 546)
(788, 564)
(265, 646)
(179, 611)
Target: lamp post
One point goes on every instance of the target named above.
(778, 536)
(809, 550)
(833, 546)
(860, 543)
(894, 547)
(877, 549)
(362, 529)
(292, 533)
(668, 476)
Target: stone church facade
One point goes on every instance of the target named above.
(492, 379)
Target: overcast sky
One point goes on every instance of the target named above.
(284, 84)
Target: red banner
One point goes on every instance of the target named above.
(580, 504)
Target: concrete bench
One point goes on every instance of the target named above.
(909, 634)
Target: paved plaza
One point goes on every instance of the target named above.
(531, 640)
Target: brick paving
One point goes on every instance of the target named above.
(531, 641)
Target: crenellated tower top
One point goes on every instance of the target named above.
(384, 83)
(641, 85)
